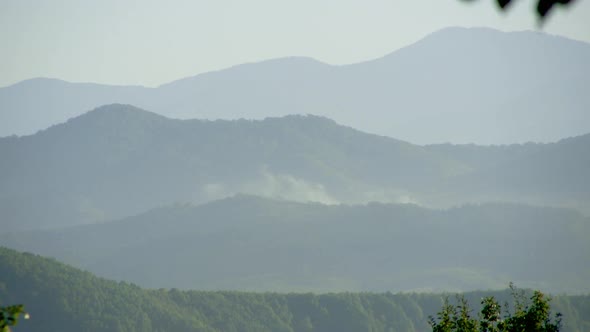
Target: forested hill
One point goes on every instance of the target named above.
(62, 298)
(253, 243)
(119, 160)
(554, 168)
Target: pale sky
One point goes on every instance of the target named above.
(143, 42)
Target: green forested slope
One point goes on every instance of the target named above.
(61, 298)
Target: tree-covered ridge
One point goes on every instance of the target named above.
(62, 298)
(256, 244)
(119, 153)
(119, 160)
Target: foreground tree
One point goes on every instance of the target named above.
(530, 315)
(9, 316)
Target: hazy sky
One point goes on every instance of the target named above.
(148, 43)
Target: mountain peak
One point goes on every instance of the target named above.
(118, 111)
(40, 82)
(483, 42)
(479, 32)
(111, 116)
(304, 119)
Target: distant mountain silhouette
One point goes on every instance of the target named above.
(119, 160)
(459, 85)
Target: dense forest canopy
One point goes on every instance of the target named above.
(62, 298)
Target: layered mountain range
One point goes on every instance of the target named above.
(456, 85)
(306, 179)
(118, 161)
(334, 208)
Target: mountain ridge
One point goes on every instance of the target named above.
(120, 160)
(312, 59)
(135, 110)
(475, 83)
(263, 244)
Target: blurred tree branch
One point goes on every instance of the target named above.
(543, 6)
